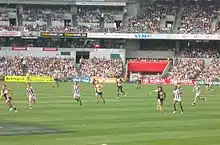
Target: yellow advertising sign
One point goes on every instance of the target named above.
(28, 79)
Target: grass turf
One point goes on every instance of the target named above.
(130, 120)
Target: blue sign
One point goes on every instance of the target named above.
(85, 79)
(142, 36)
(81, 79)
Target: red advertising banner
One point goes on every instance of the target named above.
(147, 66)
(19, 48)
(50, 49)
(10, 33)
(167, 81)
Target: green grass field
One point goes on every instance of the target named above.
(130, 120)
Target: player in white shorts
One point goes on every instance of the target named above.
(31, 95)
(177, 98)
(76, 92)
(197, 90)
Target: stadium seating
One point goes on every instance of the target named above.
(184, 69)
(211, 72)
(199, 53)
(148, 20)
(101, 67)
(197, 17)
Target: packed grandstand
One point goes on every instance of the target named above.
(191, 60)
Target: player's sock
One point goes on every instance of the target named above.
(10, 105)
(174, 108)
(204, 98)
(181, 107)
(117, 94)
(80, 103)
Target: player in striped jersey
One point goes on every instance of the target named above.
(161, 96)
(55, 82)
(177, 98)
(99, 92)
(76, 92)
(119, 83)
(31, 95)
(139, 79)
(197, 90)
(7, 94)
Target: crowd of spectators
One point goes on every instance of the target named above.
(86, 15)
(101, 67)
(211, 72)
(197, 17)
(36, 14)
(148, 20)
(64, 67)
(186, 68)
(42, 66)
(199, 53)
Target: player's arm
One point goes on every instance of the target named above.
(153, 92)
(172, 96)
(164, 95)
(1, 93)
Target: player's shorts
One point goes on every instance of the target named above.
(197, 94)
(31, 97)
(76, 95)
(119, 87)
(177, 99)
(160, 99)
(55, 79)
(138, 81)
(8, 99)
(5, 97)
(98, 94)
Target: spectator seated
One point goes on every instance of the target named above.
(200, 53)
(211, 72)
(148, 20)
(38, 66)
(186, 69)
(197, 17)
(101, 67)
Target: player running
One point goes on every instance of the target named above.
(31, 95)
(177, 98)
(28, 77)
(209, 87)
(99, 92)
(55, 82)
(76, 92)
(7, 94)
(119, 83)
(139, 82)
(197, 90)
(161, 95)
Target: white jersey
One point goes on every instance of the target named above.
(177, 95)
(76, 90)
(30, 91)
(196, 89)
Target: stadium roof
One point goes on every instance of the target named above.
(58, 2)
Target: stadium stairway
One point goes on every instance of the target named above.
(78, 67)
(166, 70)
(178, 17)
(208, 61)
